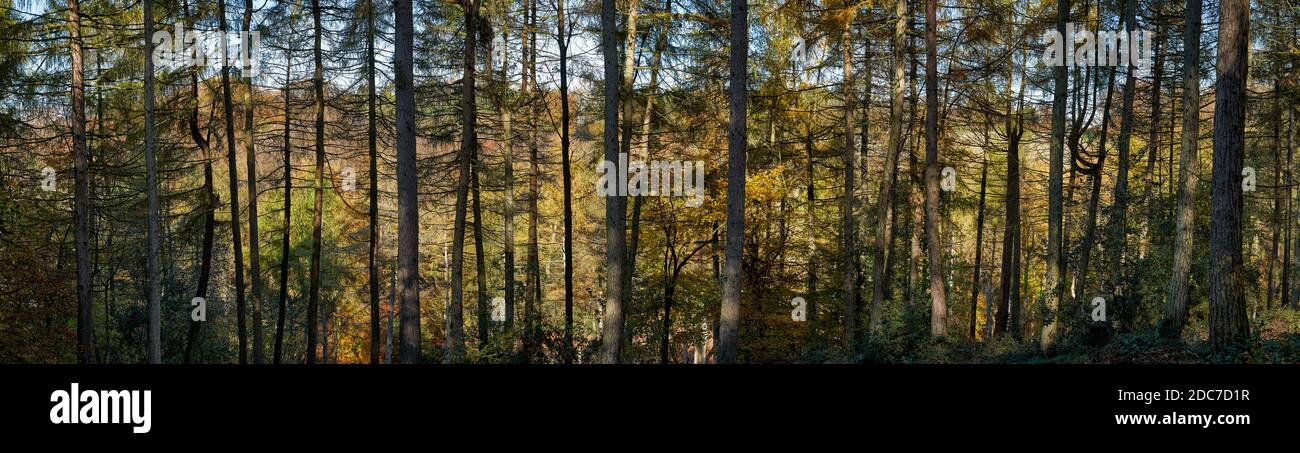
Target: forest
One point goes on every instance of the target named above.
(649, 181)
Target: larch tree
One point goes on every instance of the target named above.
(615, 213)
(151, 177)
(889, 175)
(318, 87)
(250, 150)
(408, 222)
(938, 295)
(232, 167)
(737, 144)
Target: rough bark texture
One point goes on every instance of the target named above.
(408, 224)
(1228, 322)
(611, 344)
(1055, 205)
(729, 320)
(938, 296)
(848, 233)
(1175, 315)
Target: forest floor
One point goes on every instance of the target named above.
(1275, 339)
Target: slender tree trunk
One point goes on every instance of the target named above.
(151, 218)
(1153, 143)
(455, 341)
(408, 221)
(1008, 317)
(1228, 323)
(318, 84)
(1288, 297)
(811, 292)
(209, 206)
(288, 209)
(236, 243)
(979, 250)
(533, 291)
(938, 296)
(1278, 197)
(480, 264)
(562, 38)
(849, 232)
(1175, 315)
(81, 196)
(1055, 205)
(1118, 226)
(885, 209)
(627, 81)
(615, 212)
(670, 288)
(729, 320)
(507, 144)
(372, 262)
(254, 251)
(209, 222)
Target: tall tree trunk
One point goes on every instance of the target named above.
(1279, 197)
(938, 296)
(254, 251)
(627, 82)
(729, 320)
(81, 196)
(507, 144)
(1055, 288)
(151, 218)
(885, 208)
(408, 215)
(615, 234)
(979, 250)
(562, 38)
(236, 243)
(480, 263)
(209, 207)
(533, 290)
(1153, 143)
(848, 233)
(1175, 315)
(1228, 323)
(1008, 317)
(1288, 296)
(811, 291)
(285, 251)
(372, 262)
(455, 341)
(318, 84)
(1119, 199)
